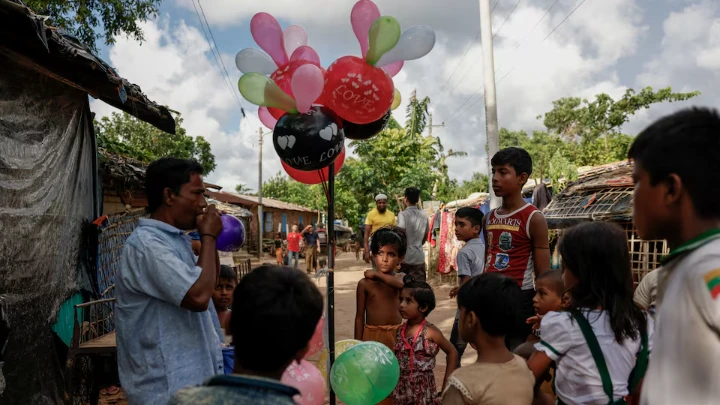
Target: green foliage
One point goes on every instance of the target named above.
(574, 118)
(242, 188)
(125, 135)
(451, 190)
(417, 114)
(91, 21)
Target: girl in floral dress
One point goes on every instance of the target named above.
(417, 344)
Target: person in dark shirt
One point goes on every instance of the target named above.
(282, 306)
(279, 249)
(312, 248)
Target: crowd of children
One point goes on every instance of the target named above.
(528, 323)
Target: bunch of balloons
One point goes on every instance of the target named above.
(312, 110)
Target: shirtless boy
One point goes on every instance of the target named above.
(378, 304)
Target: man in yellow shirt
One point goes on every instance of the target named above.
(376, 219)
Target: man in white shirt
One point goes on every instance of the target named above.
(415, 222)
(646, 292)
(676, 198)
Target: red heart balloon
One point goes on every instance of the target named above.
(356, 91)
(313, 177)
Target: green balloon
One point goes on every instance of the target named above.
(262, 90)
(365, 374)
(383, 36)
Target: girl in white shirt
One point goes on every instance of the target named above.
(601, 344)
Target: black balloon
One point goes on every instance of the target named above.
(309, 141)
(361, 132)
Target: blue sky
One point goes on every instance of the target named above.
(604, 46)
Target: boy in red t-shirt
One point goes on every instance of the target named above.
(516, 234)
(293, 246)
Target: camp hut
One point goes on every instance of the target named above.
(50, 194)
(604, 193)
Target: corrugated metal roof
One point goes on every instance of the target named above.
(250, 200)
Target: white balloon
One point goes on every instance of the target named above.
(251, 60)
(414, 43)
(294, 37)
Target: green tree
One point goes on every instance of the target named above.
(123, 134)
(94, 20)
(580, 121)
(417, 114)
(451, 191)
(242, 188)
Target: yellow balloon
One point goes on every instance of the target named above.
(396, 101)
(340, 348)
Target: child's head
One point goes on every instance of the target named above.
(223, 295)
(388, 248)
(549, 289)
(596, 272)
(417, 299)
(275, 312)
(279, 235)
(676, 166)
(468, 222)
(488, 306)
(511, 168)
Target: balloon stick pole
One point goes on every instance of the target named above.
(330, 274)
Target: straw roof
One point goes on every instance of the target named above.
(601, 193)
(251, 201)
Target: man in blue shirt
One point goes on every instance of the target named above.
(167, 329)
(312, 248)
(283, 307)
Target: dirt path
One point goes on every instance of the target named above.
(348, 272)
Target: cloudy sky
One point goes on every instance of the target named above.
(540, 56)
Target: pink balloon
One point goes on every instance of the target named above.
(293, 38)
(308, 380)
(393, 68)
(266, 118)
(363, 14)
(269, 36)
(307, 85)
(307, 54)
(316, 341)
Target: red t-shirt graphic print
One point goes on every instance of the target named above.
(509, 247)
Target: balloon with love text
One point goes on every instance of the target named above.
(356, 91)
(309, 141)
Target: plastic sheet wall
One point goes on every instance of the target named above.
(47, 200)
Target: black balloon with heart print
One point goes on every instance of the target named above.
(309, 141)
(361, 132)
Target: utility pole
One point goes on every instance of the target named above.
(261, 221)
(491, 122)
(430, 127)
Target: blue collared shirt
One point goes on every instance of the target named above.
(237, 390)
(161, 346)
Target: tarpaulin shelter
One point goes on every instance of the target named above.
(49, 191)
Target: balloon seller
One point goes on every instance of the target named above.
(286, 306)
(416, 345)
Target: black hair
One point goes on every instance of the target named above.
(687, 144)
(555, 279)
(493, 298)
(228, 273)
(389, 235)
(283, 307)
(475, 216)
(167, 172)
(596, 253)
(412, 194)
(421, 292)
(518, 158)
